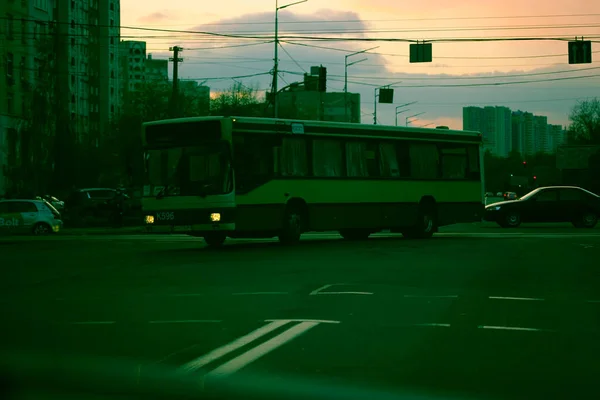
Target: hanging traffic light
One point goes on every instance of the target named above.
(534, 177)
(524, 164)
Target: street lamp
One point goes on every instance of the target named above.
(375, 99)
(346, 65)
(403, 105)
(276, 60)
(400, 112)
(412, 116)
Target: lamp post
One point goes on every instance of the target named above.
(276, 59)
(346, 65)
(403, 105)
(412, 116)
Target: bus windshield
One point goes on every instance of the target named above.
(198, 170)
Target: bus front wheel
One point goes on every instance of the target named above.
(215, 239)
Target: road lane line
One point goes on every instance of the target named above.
(316, 291)
(261, 350)
(359, 293)
(232, 346)
(258, 293)
(417, 296)
(320, 321)
(93, 322)
(514, 328)
(516, 298)
(432, 324)
(186, 321)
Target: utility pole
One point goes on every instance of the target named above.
(276, 55)
(175, 96)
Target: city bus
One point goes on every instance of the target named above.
(237, 177)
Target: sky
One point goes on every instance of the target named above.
(528, 75)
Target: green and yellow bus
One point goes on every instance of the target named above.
(220, 177)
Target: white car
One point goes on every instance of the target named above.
(29, 216)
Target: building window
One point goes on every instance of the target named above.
(10, 68)
(112, 90)
(112, 73)
(10, 103)
(23, 31)
(112, 6)
(9, 26)
(72, 98)
(72, 79)
(112, 40)
(72, 24)
(73, 61)
(112, 108)
(112, 57)
(22, 68)
(72, 4)
(112, 22)
(72, 41)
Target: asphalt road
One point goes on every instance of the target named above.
(478, 311)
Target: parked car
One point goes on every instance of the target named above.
(510, 196)
(548, 204)
(56, 203)
(37, 217)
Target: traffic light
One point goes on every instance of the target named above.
(534, 177)
(420, 52)
(580, 52)
(322, 79)
(386, 96)
(524, 164)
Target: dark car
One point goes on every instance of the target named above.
(548, 204)
(84, 204)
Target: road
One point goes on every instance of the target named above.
(474, 310)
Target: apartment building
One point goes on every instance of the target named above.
(26, 27)
(157, 70)
(87, 47)
(494, 123)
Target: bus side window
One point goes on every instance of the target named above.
(473, 155)
(453, 162)
(327, 158)
(294, 157)
(388, 161)
(403, 159)
(424, 161)
(356, 159)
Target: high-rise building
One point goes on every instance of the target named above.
(557, 136)
(495, 125)
(87, 54)
(542, 134)
(24, 50)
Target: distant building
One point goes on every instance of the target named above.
(157, 70)
(132, 66)
(542, 134)
(494, 123)
(557, 136)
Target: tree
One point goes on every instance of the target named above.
(34, 167)
(585, 122)
(239, 100)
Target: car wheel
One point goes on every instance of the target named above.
(512, 219)
(589, 219)
(215, 239)
(42, 229)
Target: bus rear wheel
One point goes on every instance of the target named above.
(293, 223)
(215, 239)
(355, 234)
(425, 225)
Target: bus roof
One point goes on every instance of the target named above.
(328, 127)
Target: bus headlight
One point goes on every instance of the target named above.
(149, 219)
(215, 217)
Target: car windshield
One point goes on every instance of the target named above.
(530, 194)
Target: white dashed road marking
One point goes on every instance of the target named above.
(320, 290)
(187, 321)
(516, 298)
(514, 328)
